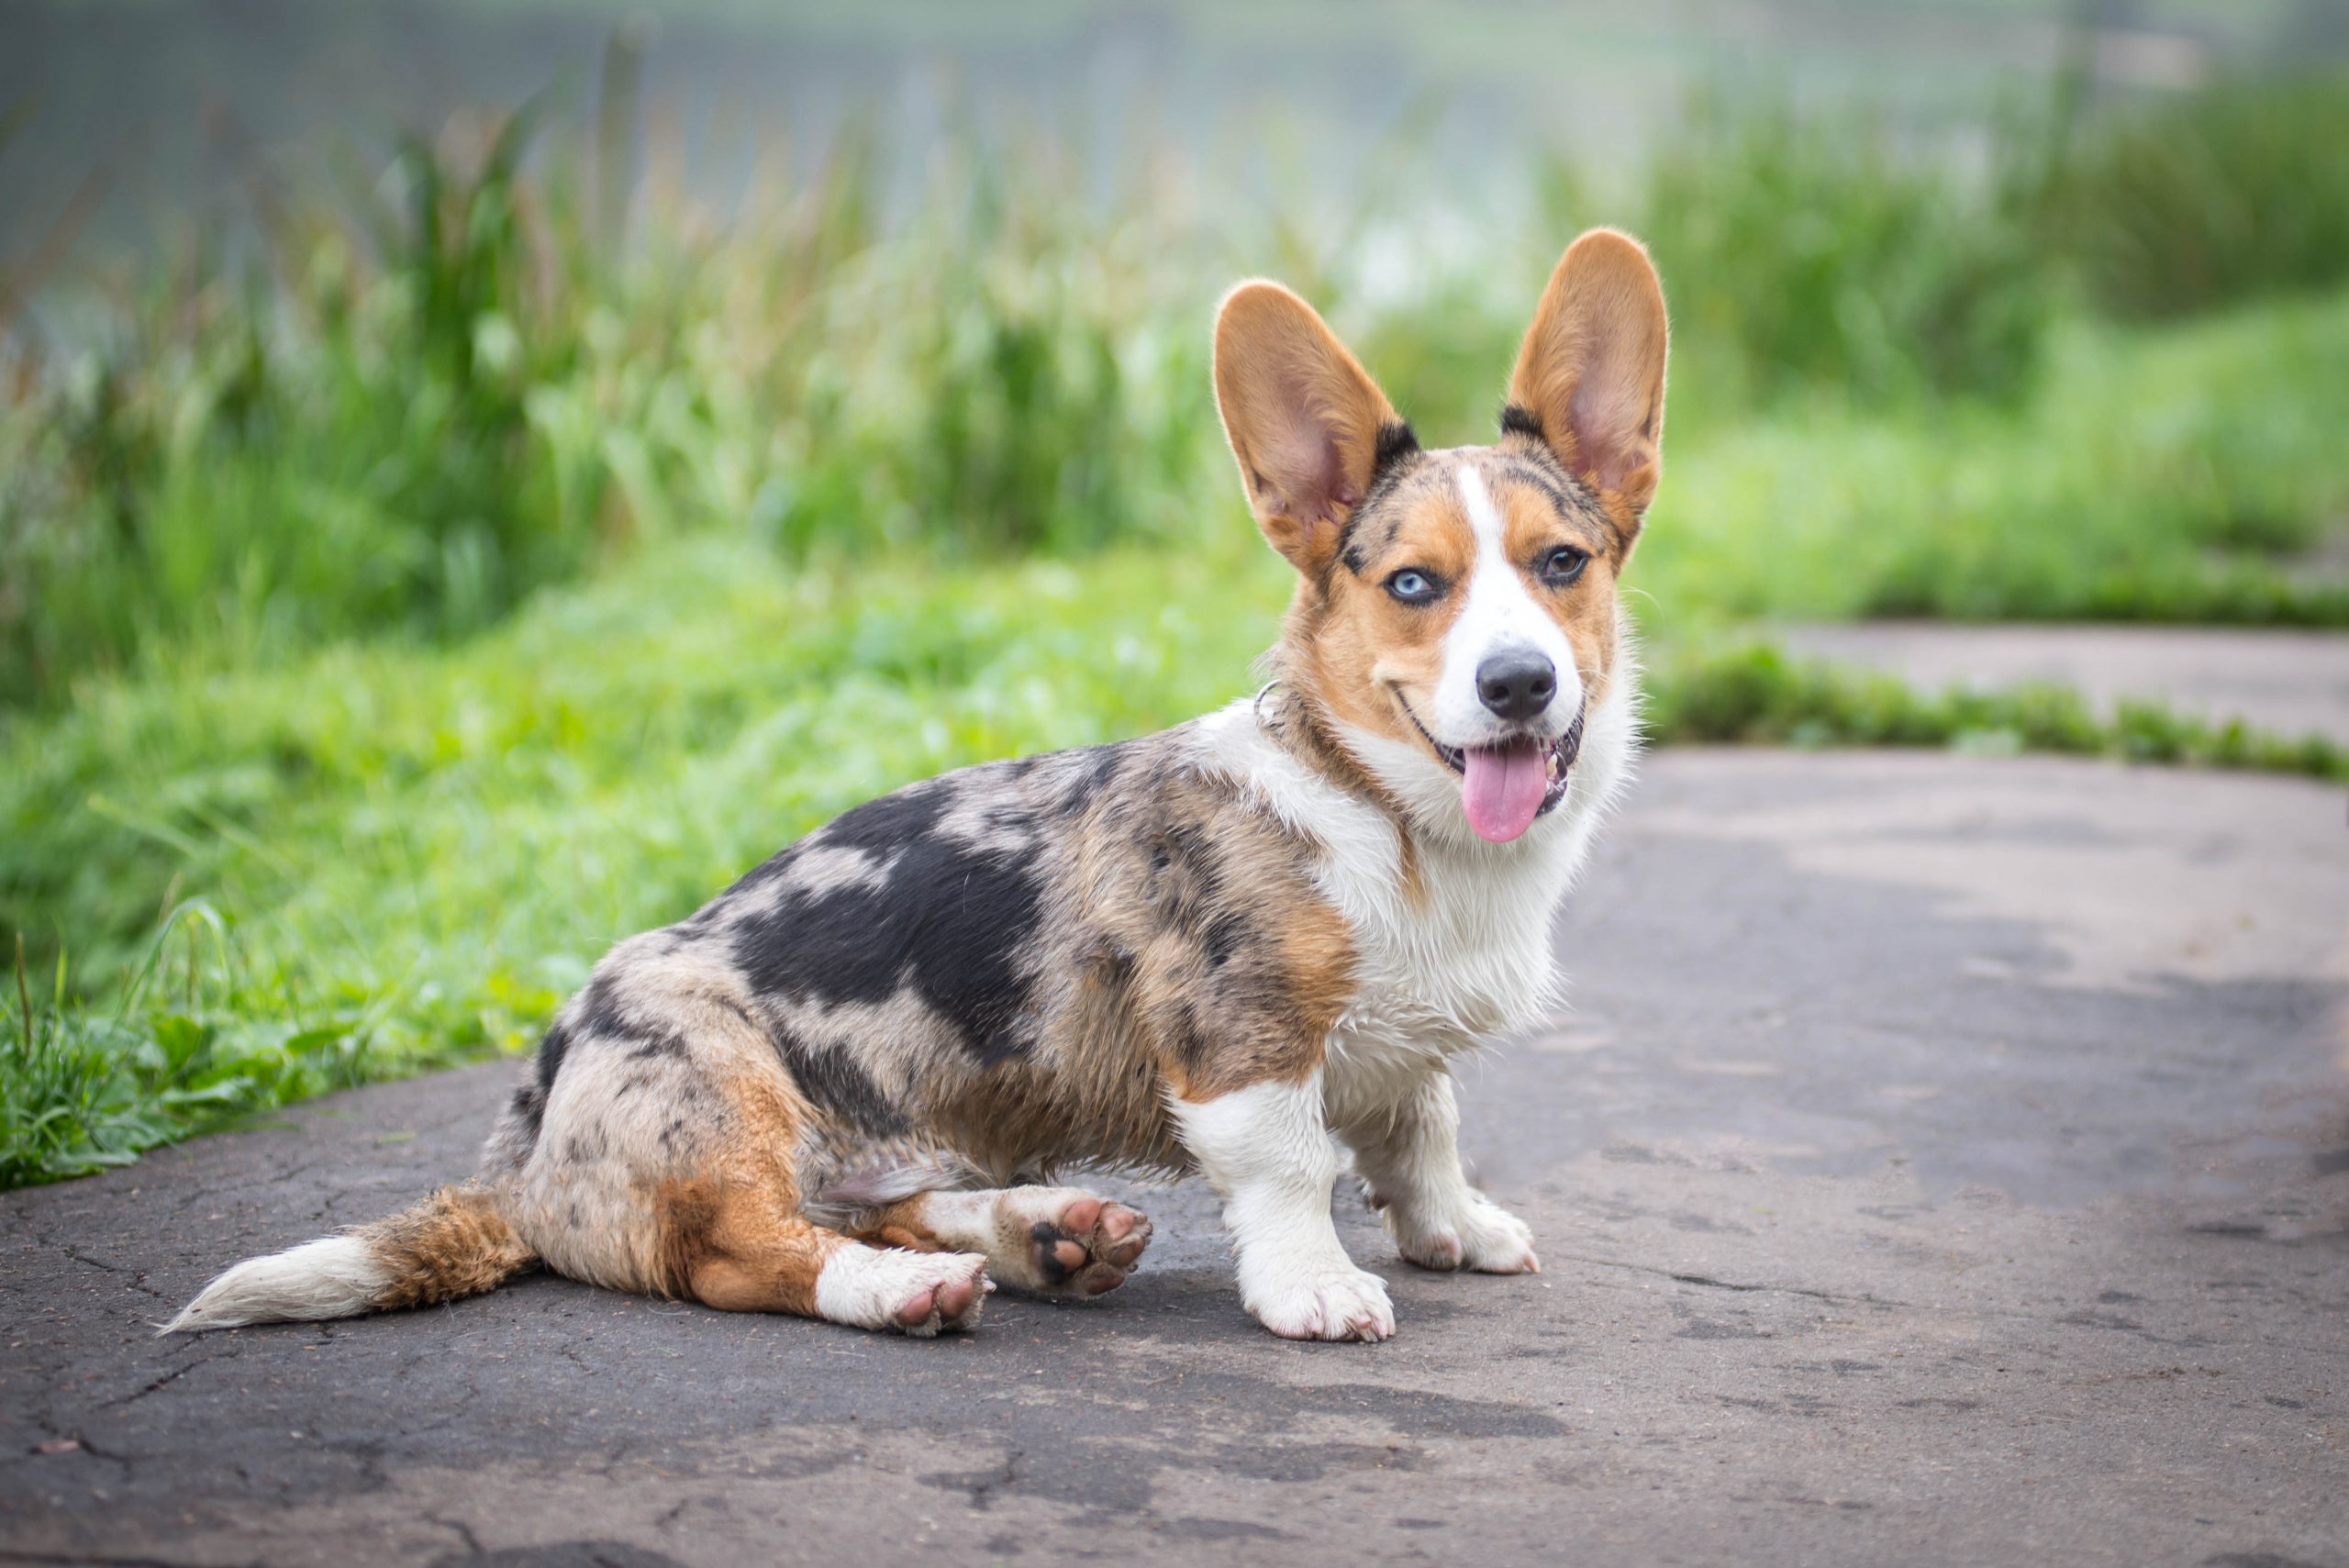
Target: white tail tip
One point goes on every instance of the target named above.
(336, 1277)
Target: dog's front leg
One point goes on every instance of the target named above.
(1409, 1155)
(1266, 1148)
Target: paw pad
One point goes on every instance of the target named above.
(1079, 1243)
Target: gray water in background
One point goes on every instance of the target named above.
(160, 110)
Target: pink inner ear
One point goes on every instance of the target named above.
(1309, 473)
(1610, 423)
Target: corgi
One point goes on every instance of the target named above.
(848, 1087)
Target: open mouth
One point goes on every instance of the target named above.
(1504, 786)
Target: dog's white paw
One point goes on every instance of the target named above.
(1480, 1235)
(921, 1294)
(1334, 1304)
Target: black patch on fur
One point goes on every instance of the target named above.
(881, 827)
(552, 1051)
(838, 1086)
(1562, 490)
(1100, 766)
(877, 826)
(1396, 440)
(1225, 934)
(1389, 466)
(1194, 1045)
(950, 921)
(1187, 889)
(1516, 419)
(529, 1107)
(599, 1009)
(648, 1045)
(603, 1016)
(530, 1102)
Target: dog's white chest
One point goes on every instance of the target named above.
(1444, 961)
(1467, 960)
(1442, 966)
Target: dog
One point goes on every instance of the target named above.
(846, 1088)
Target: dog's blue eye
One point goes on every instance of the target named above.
(1562, 565)
(1413, 587)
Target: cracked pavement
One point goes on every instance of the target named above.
(1942, 1159)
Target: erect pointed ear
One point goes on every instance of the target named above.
(1305, 421)
(1591, 370)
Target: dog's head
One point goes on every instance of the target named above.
(1456, 612)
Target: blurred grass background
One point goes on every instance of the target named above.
(480, 544)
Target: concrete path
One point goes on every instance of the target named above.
(2291, 682)
(1946, 1161)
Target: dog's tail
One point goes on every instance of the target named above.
(455, 1243)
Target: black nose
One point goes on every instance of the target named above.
(1518, 683)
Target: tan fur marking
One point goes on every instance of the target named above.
(1585, 611)
(901, 1224)
(733, 1238)
(454, 1244)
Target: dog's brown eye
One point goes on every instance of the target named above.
(1413, 586)
(1562, 565)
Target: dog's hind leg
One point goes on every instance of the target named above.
(749, 1248)
(1052, 1239)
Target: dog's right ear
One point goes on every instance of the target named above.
(1304, 420)
(1590, 374)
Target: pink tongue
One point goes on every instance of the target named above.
(1503, 790)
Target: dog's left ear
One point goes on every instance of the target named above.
(1591, 370)
(1304, 418)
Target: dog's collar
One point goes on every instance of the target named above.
(1256, 706)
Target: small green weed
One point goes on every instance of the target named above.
(1754, 693)
(186, 1047)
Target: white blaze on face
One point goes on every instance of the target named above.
(1500, 613)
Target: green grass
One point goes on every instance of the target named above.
(2231, 195)
(1751, 693)
(2183, 475)
(188, 1044)
(413, 408)
(439, 385)
(1810, 255)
